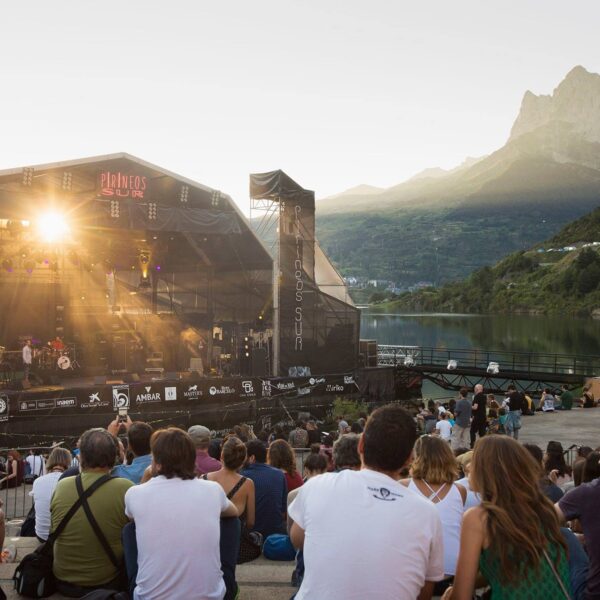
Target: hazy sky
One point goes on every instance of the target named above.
(336, 93)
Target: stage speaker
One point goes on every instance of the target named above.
(100, 380)
(131, 378)
(118, 358)
(259, 362)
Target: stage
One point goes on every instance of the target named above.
(46, 414)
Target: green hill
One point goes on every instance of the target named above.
(440, 226)
(559, 276)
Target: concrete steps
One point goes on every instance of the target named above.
(258, 580)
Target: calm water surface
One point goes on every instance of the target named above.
(538, 334)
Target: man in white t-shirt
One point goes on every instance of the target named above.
(37, 464)
(443, 427)
(363, 534)
(177, 521)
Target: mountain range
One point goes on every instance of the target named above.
(440, 225)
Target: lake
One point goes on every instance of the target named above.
(514, 333)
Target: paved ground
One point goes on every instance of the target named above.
(580, 426)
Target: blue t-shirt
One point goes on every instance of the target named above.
(270, 491)
(135, 471)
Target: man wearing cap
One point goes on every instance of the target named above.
(201, 438)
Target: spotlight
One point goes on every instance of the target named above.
(67, 181)
(452, 364)
(144, 258)
(52, 227)
(158, 267)
(184, 193)
(7, 265)
(409, 361)
(144, 283)
(493, 368)
(28, 176)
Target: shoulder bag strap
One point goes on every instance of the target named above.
(557, 577)
(92, 520)
(61, 526)
(233, 491)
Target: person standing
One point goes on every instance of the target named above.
(298, 437)
(462, 418)
(27, 357)
(479, 407)
(515, 403)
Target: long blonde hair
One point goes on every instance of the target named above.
(521, 520)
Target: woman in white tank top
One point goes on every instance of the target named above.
(434, 471)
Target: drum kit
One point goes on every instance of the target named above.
(48, 358)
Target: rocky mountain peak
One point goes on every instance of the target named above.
(576, 102)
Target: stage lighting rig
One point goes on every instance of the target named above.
(145, 282)
(27, 176)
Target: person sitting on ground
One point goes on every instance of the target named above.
(566, 398)
(13, 477)
(549, 488)
(298, 437)
(233, 457)
(329, 508)
(514, 526)
(281, 456)
(547, 401)
(464, 463)
(201, 437)
(443, 427)
(433, 474)
(587, 399)
(315, 464)
(555, 466)
(345, 453)
(270, 490)
(177, 525)
(591, 467)
(43, 488)
(80, 562)
(138, 439)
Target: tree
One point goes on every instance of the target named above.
(588, 279)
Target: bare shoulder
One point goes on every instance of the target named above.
(462, 490)
(405, 482)
(475, 517)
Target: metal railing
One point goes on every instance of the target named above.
(525, 362)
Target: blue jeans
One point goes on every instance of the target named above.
(513, 423)
(229, 549)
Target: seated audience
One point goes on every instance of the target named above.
(566, 398)
(547, 401)
(204, 462)
(549, 489)
(582, 503)
(387, 542)
(464, 462)
(591, 467)
(345, 453)
(80, 562)
(443, 427)
(43, 488)
(433, 474)
(138, 439)
(177, 524)
(281, 456)
(588, 400)
(555, 466)
(514, 526)
(270, 490)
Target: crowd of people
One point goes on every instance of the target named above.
(378, 509)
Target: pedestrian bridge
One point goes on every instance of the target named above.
(453, 368)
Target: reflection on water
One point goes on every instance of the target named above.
(516, 333)
(536, 334)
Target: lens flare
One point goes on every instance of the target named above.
(52, 227)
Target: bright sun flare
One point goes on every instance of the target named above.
(52, 227)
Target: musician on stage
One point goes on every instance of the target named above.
(27, 356)
(57, 344)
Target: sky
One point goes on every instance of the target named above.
(334, 92)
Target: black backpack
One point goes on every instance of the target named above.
(33, 576)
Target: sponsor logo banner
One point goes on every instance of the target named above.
(120, 396)
(221, 390)
(147, 395)
(47, 403)
(170, 393)
(95, 400)
(250, 388)
(193, 391)
(4, 405)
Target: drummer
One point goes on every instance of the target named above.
(57, 344)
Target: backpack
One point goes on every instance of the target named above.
(279, 547)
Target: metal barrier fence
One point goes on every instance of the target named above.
(16, 501)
